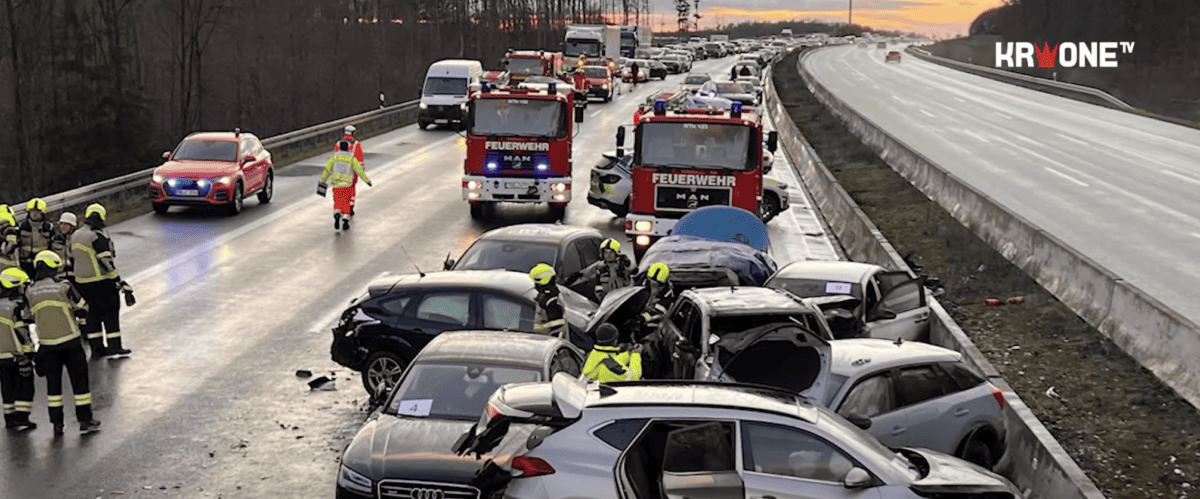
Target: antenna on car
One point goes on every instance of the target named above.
(899, 340)
(414, 262)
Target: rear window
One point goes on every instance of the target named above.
(206, 150)
(507, 255)
(696, 80)
(446, 391)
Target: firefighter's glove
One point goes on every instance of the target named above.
(39, 366)
(81, 314)
(370, 184)
(25, 366)
(125, 287)
(613, 366)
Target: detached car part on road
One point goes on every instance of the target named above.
(384, 329)
(660, 440)
(213, 169)
(404, 449)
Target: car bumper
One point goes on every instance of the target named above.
(659, 227)
(214, 195)
(477, 188)
(596, 91)
(604, 203)
(440, 114)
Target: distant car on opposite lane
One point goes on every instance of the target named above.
(892, 56)
(213, 169)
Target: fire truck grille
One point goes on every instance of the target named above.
(673, 198)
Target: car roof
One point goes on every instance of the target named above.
(747, 300)
(498, 347)
(855, 355)
(826, 270)
(543, 233)
(699, 393)
(221, 136)
(493, 280)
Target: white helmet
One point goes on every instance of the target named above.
(349, 129)
(68, 218)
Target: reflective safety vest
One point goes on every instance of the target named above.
(61, 244)
(623, 366)
(52, 304)
(14, 335)
(10, 244)
(92, 255)
(35, 238)
(341, 169)
(612, 276)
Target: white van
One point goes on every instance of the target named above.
(447, 85)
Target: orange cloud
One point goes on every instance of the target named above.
(933, 17)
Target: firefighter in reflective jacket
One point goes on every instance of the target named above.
(550, 317)
(613, 270)
(54, 305)
(96, 277)
(10, 239)
(343, 170)
(609, 361)
(36, 233)
(662, 295)
(16, 348)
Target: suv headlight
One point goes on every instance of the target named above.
(222, 180)
(423, 105)
(355, 481)
(156, 178)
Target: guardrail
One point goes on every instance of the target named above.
(1096, 95)
(130, 190)
(1033, 459)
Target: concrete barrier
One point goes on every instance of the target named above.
(1033, 460)
(1159, 338)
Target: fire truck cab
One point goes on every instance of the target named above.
(519, 147)
(684, 159)
(521, 64)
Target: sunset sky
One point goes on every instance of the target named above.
(943, 18)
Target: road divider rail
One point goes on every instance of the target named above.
(129, 191)
(1033, 459)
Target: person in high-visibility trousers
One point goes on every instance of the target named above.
(609, 361)
(10, 239)
(36, 233)
(342, 171)
(55, 305)
(16, 349)
(98, 281)
(550, 317)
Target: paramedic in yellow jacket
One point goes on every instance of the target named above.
(609, 361)
(343, 171)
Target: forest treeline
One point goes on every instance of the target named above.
(92, 89)
(1160, 75)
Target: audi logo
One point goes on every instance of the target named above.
(427, 494)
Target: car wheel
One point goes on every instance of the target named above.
(160, 208)
(235, 203)
(558, 211)
(769, 207)
(978, 450)
(622, 210)
(268, 190)
(476, 211)
(382, 368)
(423, 125)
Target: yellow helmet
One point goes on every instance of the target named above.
(659, 272)
(95, 208)
(49, 258)
(7, 215)
(542, 273)
(611, 244)
(36, 204)
(13, 277)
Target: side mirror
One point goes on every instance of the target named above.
(167, 155)
(248, 159)
(772, 141)
(857, 478)
(448, 264)
(882, 314)
(859, 420)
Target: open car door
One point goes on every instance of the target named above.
(902, 311)
(699, 462)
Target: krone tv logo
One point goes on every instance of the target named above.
(1063, 55)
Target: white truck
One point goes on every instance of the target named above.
(787, 32)
(633, 38)
(595, 42)
(718, 38)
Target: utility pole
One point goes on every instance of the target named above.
(851, 12)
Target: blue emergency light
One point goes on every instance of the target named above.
(735, 109)
(553, 88)
(660, 107)
(484, 86)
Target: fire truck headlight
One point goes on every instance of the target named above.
(642, 240)
(559, 187)
(472, 195)
(492, 165)
(643, 226)
(559, 197)
(473, 185)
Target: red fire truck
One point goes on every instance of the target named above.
(521, 64)
(519, 147)
(685, 159)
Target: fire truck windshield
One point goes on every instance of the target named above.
(518, 118)
(590, 48)
(525, 66)
(595, 72)
(695, 145)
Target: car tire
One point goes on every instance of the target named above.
(268, 190)
(235, 201)
(476, 211)
(381, 365)
(423, 125)
(622, 210)
(160, 208)
(978, 450)
(770, 207)
(558, 211)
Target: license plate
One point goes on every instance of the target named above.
(441, 121)
(516, 185)
(187, 192)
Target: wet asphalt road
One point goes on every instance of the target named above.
(229, 308)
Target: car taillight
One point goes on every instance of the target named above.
(628, 225)
(996, 392)
(531, 466)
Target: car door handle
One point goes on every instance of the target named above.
(897, 430)
(961, 411)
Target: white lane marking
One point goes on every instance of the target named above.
(926, 113)
(1196, 234)
(902, 101)
(1063, 175)
(597, 113)
(1182, 177)
(323, 324)
(240, 231)
(1073, 139)
(973, 134)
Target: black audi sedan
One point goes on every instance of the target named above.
(383, 329)
(404, 450)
